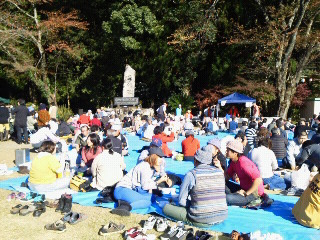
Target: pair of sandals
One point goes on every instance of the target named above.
(74, 217)
(37, 209)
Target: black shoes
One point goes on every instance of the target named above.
(123, 208)
(65, 203)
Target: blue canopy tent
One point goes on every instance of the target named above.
(235, 98)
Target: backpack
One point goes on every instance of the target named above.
(79, 184)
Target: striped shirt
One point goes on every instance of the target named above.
(251, 134)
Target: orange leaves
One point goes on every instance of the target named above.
(59, 20)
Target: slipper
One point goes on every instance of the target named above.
(53, 204)
(25, 210)
(67, 217)
(16, 209)
(58, 226)
(77, 217)
(39, 211)
(111, 228)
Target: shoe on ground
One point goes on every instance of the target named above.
(123, 209)
(25, 210)
(58, 226)
(16, 209)
(162, 224)
(141, 236)
(149, 223)
(77, 217)
(182, 234)
(168, 235)
(111, 228)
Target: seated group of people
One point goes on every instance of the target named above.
(205, 191)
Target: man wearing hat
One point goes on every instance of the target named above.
(119, 141)
(251, 184)
(190, 145)
(218, 159)
(204, 185)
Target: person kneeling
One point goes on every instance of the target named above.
(44, 170)
(205, 186)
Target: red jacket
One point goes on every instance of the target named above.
(84, 119)
(190, 146)
(164, 138)
(95, 121)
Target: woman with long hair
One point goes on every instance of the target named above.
(92, 150)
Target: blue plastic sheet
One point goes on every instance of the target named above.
(277, 218)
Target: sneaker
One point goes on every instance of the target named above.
(141, 236)
(111, 228)
(162, 224)
(167, 236)
(149, 224)
(180, 234)
(58, 226)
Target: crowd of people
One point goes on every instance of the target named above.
(234, 170)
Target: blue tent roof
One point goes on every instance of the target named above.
(236, 98)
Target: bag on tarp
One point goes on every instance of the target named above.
(300, 178)
(78, 184)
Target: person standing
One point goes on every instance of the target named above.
(53, 111)
(256, 110)
(179, 111)
(162, 111)
(4, 123)
(21, 113)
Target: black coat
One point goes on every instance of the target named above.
(279, 146)
(4, 115)
(21, 113)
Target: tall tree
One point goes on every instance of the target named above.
(285, 40)
(29, 31)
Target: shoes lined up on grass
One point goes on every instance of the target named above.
(37, 209)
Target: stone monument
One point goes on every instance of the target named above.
(129, 82)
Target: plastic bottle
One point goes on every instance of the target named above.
(67, 170)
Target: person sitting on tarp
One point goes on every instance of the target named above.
(202, 200)
(266, 161)
(306, 210)
(310, 155)
(159, 133)
(135, 189)
(233, 125)
(251, 184)
(190, 145)
(218, 159)
(45, 169)
(107, 168)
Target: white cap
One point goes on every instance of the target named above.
(113, 113)
(116, 127)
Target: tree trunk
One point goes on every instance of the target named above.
(43, 61)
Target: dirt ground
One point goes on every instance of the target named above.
(28, 227)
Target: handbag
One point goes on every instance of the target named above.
(79, 184)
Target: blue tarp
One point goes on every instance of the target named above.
(276, 219)
(236, 98)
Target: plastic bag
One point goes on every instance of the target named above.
(300, 178)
